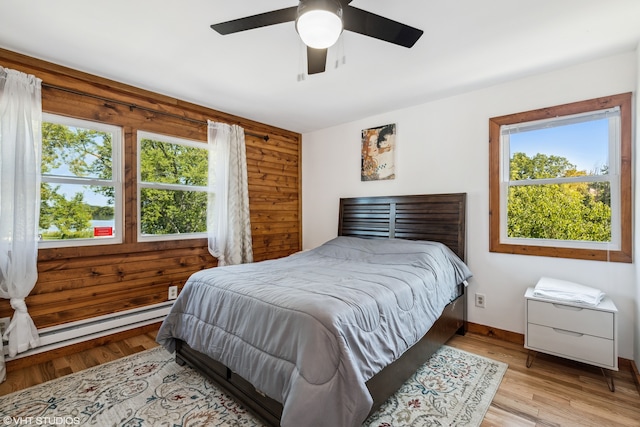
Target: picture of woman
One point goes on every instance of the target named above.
(378, 152)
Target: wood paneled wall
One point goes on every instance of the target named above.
(83, 282)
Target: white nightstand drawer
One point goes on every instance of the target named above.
(582, 347)
(571, 318)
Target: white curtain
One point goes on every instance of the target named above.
(228, 224)
(20, 152)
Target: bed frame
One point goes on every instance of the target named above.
(436, 217)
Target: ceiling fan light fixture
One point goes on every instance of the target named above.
(319, 23)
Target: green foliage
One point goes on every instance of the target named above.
(166, 211)
(46, 205)
(88, 153)
(172, 212)
(57, 235)
(102, 212)
(173, 163)
(70, 215)
(85, 153)
(571, 211)
(539, 166)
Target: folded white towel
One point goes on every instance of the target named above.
(563, 290)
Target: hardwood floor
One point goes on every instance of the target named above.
(19, 379)
(553, 392)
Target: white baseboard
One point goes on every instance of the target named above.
(96, 327)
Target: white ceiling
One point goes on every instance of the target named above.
(168, 47)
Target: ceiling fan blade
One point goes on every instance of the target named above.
(372, 25)
(316, 60)
(256, 21)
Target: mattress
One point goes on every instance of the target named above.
(310, 329)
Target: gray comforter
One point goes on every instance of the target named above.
(310, 329)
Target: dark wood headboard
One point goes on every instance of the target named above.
(435, 217)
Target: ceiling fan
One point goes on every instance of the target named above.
(320, 23)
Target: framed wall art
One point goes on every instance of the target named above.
(378, 153)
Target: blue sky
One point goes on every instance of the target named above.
(584, 144)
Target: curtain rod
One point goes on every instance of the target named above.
(132, 106)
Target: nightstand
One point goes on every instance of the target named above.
(578, 332)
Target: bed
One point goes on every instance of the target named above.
(338, 352)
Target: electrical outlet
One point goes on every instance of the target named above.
(480, 300)
(173, 292)
(4, 324)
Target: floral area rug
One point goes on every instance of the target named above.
(454, 388)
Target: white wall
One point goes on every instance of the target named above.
(637, 210)
(442, 146)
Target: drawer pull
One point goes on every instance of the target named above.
(565, 332)
(567, 307)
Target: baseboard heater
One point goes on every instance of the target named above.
(84, 330)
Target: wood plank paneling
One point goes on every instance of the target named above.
(83, 282)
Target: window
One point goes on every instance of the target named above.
(560, 181)
(81, 188)
(172, 187)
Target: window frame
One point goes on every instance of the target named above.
(140, 135)
(117, 174)
(621, 224)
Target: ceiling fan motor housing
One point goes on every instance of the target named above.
(333, 6)
(319, 22)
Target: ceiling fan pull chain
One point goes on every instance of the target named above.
(340, 55)
(302, 75)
